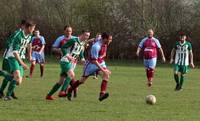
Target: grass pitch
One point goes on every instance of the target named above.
(127, 88)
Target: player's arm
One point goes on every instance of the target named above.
(65, 47)
(43, 45)
(16, 48)
(29, 52)
(140, 46)
(82, 58)
(162, 54)
(56, 50)
(138, 51)
(16, 54)
(15, 33)
(191, 56)
(160, 49)
(42, 49)
(106, 71)
(90, 40)
(55, 47)
(191, 59)
(172, 55)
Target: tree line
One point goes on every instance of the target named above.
(127, 20)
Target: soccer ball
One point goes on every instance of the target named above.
(150, 99)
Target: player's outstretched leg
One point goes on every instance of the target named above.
(62, 92)
(11, 88)
(3, 86)
(73, 86)
(75, 91)
(52, 91)
(7, 77)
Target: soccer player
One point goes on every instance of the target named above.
(56, 48)
(15, 53)
(149, 45)
(89, 44)
(38, 45)
(71, 50)
(183, 59)
(96, 64)
(8, 41)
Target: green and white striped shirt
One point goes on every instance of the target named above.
(74, 47)
(17, 43)
(182, 53)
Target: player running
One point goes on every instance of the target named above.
(14, 55)
(182, 60)
(37, 45)
(56, 48)
(88, 46)
(71, 51)
(149, 45)
(9, 40)
(94, 64)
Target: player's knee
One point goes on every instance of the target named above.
(151, 70)
(19, 81)
(182, 74)
(106, 77)
(82, 80)
(17, 78)
(71, 74)
(176, 72)
(61, 81)
(33, 63)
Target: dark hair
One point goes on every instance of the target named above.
(182, 33)
(67, 26)
(23, 22)
(36, 29)
(105, 35)
(83, 31)
(29, 23)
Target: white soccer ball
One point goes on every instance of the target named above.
(150, 99)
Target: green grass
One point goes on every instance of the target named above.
(127, 87)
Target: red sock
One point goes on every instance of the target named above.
(103, 86)
(72, 81)
(41, 70)
(31, 70)
(74, 86)
(150, 74)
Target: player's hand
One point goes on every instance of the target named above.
(171, 61)
(40, 52)
(163, 59)
(30, 59)
(25, 66)
(192, 65)
(137, 53)
(71, 59)
(83, 61)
